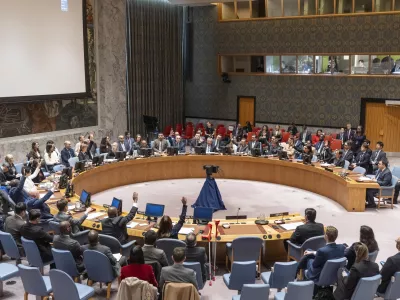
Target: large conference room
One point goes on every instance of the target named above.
(189, 149)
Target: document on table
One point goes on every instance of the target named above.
(291, 226)
(325, 165)
(364, 178)
(95, 215)
(132, 225)
(186, 230)
(117, 256)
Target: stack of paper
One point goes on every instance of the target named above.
(186, 230)
(95, 215)
(132, 225)
(364, 178)
(291, 226)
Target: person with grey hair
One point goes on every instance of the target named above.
(196, 254)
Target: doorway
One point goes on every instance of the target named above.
(246, 109)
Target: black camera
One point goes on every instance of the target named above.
(210, 169)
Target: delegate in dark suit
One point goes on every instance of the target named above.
(107, 252)
(177, 273)
(128, 142)
(348, 135)
(151, 253)
(242, 148)
(326, 155)
(65, 242)
(42, 239)
(198, 254)
(238, 133)
(75, 223)
(376, 157)
(160, 146)
(383, 178)
(65, 155)
(195, 143)
(306, 231)
(254, 145)
(122, 147)
(13, 226)
(116, 226)
(305, 136)
(362, 159)
(391, 266)
(181, 146)
(348, 155)
(339, 162)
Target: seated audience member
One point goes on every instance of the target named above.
(128, 141)
(242, 146)
(307, 155)
(171, 137)
(3, 171)
(196, 141)
(93, 239)
(391, 266)
(51, 142)
(273, 147)
(377, 156)
(166, 230)
(264, 133)
(137, 267)
(35, 152)
(12, 171)
(366, 143)
(309, 229)
(308, 143)
(209, 130)
(114, 150)
(248, 127)
(196, 254)
(305, 135)
(33, 231)
(92, 146)
(238, 132)
(218, 142)
(34, 164)
(51, 157)
(254, 144)
(264, 138)
(178, 143)
(289, 148)
(209, 145)
(367, 237)
(339, 160)
(177, 272)
(115, 225)
(383, 177)
(317, 137)
(298, 145)
(326, 155)
(160, 144)
(150, 252)
(277, 133)
(347, 153)
(347, 281)
(320, 144)
(143, 147)
(340, 135)
(14, 223)
(362, 159)
(105, 146)
(121, 144)
(83, 153)
(67, 153)
(63, 215)
(29, 185)
(63, 241)
(136, 144)
(314, 261)
(292, 129)
(79, 144)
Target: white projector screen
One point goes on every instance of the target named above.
(42, 50)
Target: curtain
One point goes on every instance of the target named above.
(154, 63)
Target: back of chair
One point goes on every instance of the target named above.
(18, 167)
(9, 245)
(346, 164)
(373, 255)
(63, 286)
(81, 236)
(65, 262)
(98, 266)
(58, 168)
(243, 272)
(246, 248)
(300, 290)
(254, 291)
(195, 266)
(283, 273)
(110, 242)
(32, 280)
(314, 243)
(32, 253)
(54, 226)
(396, 172)
(168, 245)
(366, 288)
(72, 161)
(393, 289)
(359, 170)
(328, 274)
(156, 268)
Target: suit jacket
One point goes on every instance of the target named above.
(339, 162)
(65, 242)
(326, 155)
(377, 156)
(210, 147)
(217, 144)
(273, 149)
(257, 145)
(319, 145)
(177, 273)
(129, 144)
(198, 254)
(306, 231)
(330, 251)
(362, 160)
(3, 178)
(153, 254)
(124, 148)
(107, 252)
(65, 155)
(391, 266)
(42, 239)
(75, 223)
(116, 226)
(156, 145)
(83, 156)
(348, 135)
(181, 146)
(357, 142)
(305, 136)
(341, 136)
(384, 178)
(238, 132)
(13, 226)
(135, 146)
(242, 149)
(348, 155)
(277, 135)
(33, 203)
(11, 173)
(194, 143)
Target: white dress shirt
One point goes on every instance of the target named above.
(51, 159)
(77, 148)
(29, 185)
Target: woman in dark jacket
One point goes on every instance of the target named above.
(358, 139)
(166, 230)
(105, 146)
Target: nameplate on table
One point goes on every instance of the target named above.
(279, 214)
(291, 226)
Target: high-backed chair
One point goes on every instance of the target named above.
(373, 255)
(66, 263)
(33, 255)
(9, 246)
(58, 168)
(195, 266)
(253, 292)
(366, 288)
(396, 171)
(65, 289)
(115, 246)
(34, 283)
(296, 252)
(328, 274)
(18, 167)
(54, 226)
(7, 271)
(243, 272)
(245, 248)
(168, 245)
(280, 275)
(360, 170)
(297, 290)
(393, 289)
(387, 192)
(72, 161)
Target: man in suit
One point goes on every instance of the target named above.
(121, 144)
(178, 143)
(383, 177)
(209, 145)
(93, 239)
(63, 241)
(273, 147)
(63, 215)
(254, 144)
(339, 160)
(33, 231)
(115, 225)
(196, 254)
(14, 223)
(377, 156)
(217, 143)
(3, 171)
(362, 159)
(238, 132)
(340, 135)
(136, 143)
(347, 153)
(242, 146)
(160, 145)
(314, 261)
(305, 135)
(177, 272)
(348, 133)
(320, 144)
(67, 153)
(151, 253)
(391, 266)
(298, 144)
(128, 142)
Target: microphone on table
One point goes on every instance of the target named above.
(237, 216)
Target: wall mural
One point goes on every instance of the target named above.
(29, 118)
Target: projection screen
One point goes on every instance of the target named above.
(43, 50)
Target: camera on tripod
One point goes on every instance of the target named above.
(210, 169)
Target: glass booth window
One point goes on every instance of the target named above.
(305, 64)
(362, 6)
(275, 8)
(272, 64)
(396, 69)
(332, 64)
(381, 64)
(344, 6)
(257, 64)
(228, 11)
(325, 7)
(290, 8)
(359, 64)
(243, 9)
(383, 5)
(288, 64)
(258, 9)
(307, 7)
(227, 64)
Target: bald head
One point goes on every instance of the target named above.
(112, 212)
(93, 237)
(65, 228)
(67, 144)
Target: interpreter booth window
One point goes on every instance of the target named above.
(307, 7)
(290, 8)
(227, 64)
(272, 64)
(382, 64)
(344, 6)
(325, 7)
(396, 69)
(228, 11)
(397, 5)
(288, 64)
(334, 65)
(359, 64)
(383, 5)
(257, 64)
(275, 8)
(305, 64)
(243, 10)
(258, 9)
(363, 6)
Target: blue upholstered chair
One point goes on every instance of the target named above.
(245, 248)
(281, 274)
(33, 254)
(296, 252)
(81, 236)
(393, 289)
(195, 266)
(366, 288)
(168, 245)
(360, 170)
(115, 246)
(328, 274)
(99, 269)
(58, 168)
(18, 167)
(9, 245)
(66, 263)
(243, 272)
(54, 226)
(34, 283)
(253, 292)
(387, 192)
(373, 255)
(396, 171)
(297, 290)
(72, 161)
(65, 289)
(7, 271)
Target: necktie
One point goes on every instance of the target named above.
(208, 148)
(378, 175)
(160, 147)
(376, 157)
(348, 134)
